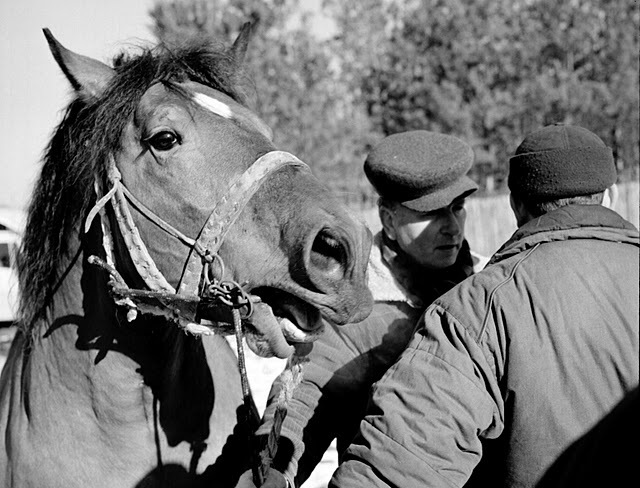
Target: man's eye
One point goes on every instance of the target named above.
(163, 141)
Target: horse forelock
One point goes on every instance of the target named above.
(78, 151)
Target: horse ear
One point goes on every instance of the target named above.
(88, 76)
(239, 48)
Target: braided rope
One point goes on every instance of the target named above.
(290, 378)
(162, 300)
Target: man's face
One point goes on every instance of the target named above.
(432, 239)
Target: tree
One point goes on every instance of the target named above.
(297, 90)
(491, 71)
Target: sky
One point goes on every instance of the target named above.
(33, 90)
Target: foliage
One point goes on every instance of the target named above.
(492, 70)
(297, 90)
(489, 71)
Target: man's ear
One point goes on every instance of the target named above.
(610, 198)
(387, 220)
(519, 210)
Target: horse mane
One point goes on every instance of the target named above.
(78, 150)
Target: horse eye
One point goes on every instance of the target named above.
(163, 141)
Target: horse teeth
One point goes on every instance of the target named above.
(294, 334)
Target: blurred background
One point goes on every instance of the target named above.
(332, 78)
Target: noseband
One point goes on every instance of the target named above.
(196, 290)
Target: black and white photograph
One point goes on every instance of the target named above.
(319, 243)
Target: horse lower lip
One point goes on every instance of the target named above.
(287, 307)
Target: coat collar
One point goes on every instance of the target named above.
(569, 222)
(394, 277)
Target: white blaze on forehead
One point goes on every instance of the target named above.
(239, 114)
(215, 106)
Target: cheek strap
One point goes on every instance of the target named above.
(161, 298)
(227, 211)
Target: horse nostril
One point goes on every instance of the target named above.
(328, 254)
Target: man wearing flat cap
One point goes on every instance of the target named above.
(420, 253)
(515, 363)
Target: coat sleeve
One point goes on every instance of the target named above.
(332, 378)
(428, 412)
(333, 394)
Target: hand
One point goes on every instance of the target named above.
(275, 479)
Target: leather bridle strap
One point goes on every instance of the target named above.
(144, 210)
(227, 211)
(204, 249)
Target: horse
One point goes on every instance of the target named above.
(163, 219)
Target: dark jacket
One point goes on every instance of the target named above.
(345, 361)
(520, 359)
(604, 456)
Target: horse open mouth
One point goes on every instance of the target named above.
(280, 321)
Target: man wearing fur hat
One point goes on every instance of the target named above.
(515, 363)
(420, 254)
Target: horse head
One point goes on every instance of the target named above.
(162, 176)
(201, 200)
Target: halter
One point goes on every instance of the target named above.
(199, 288)
(195, 286)
(195, 290)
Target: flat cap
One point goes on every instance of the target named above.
(561, 161)
(422, 170)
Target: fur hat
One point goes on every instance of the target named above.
(561, 161)
(422, 170)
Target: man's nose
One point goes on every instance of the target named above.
(451, 225)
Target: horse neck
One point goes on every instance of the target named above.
(142, 392)
(86, 349)
(78, 333)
